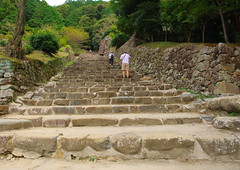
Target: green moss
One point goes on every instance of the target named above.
(233, 114)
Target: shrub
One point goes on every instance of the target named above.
(2, 43)
(27, 49)
(119, 39)
(45, 41)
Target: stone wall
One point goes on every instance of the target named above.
(196, 67)
(16, 78)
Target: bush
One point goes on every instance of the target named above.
(27, 49)
(45, 41)
(119, 39)
(2, 43)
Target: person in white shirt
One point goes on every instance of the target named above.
(111, 57)
(125, 64)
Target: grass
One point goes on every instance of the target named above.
(162, 45)
(233, 114)
(39, 55)
(165, 45)
(200, 95)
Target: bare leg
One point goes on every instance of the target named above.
(127, 73)
(123, 73)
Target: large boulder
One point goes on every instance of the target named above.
(226, 87)
(230, 123)
(228, 104)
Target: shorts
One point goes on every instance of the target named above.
(125, 66)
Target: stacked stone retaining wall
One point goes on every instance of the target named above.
(195, 67)
(16, 78)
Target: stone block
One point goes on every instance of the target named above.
(107, 94)
(42, 144)
(11, 124)
(128, 143)
(226, 87)
(219, 144)
(230, 123)
(162, 142)
(144, 100)
(123, 100)
(228, 104)
(97, 89)
(120, 109)
(6, 143)
(151, 108)
(94, 122)
(173, 108)
(55, 122)
(82, 89)
(139, 121)
(44, 102)
(40, 111)
(101, 101)
(98, 110)
(159, 100)
(78, 102)
(72, 143)
(101, 143)
(61, 102)
(174, 99)
(155, 93)
(64, 110)
(60, 95)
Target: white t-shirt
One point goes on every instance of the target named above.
(111, 55)
(125, 58)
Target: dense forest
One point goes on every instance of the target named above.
(84, 23)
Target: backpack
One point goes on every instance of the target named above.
(111, 55)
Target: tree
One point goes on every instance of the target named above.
(14, 46)
(75, 37)
(43, 14)
(138, 16)
(219, 4)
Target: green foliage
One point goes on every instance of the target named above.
(119, 39)
(2, 42)
(45, 41)
(74, 37)
(27, 49)
(233, 114)
(43, 14)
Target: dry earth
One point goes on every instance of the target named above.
(53, 164)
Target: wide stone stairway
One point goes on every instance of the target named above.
(89, 110)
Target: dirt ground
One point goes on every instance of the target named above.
(53, 164)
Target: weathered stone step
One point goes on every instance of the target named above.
(64, 94)
(107, 84)
(103, 109)
(104, 87)
(10, 124)
(104, 120)
(190, 141)
(106, 99)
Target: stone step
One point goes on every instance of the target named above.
(189, 141)
(11, 124)
(105, 87)
(104, 120)
(103, 109)
(109, 99)
(80, 94)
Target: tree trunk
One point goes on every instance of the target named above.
(203, 31)
(14, 46)
(223, 22)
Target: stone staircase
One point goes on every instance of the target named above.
(89, 110)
